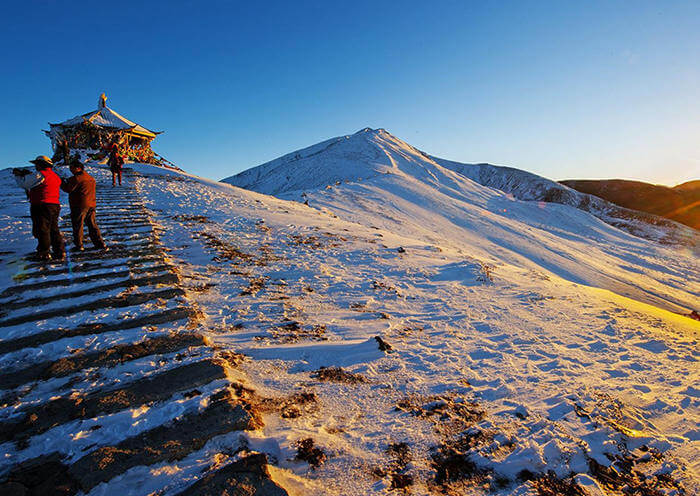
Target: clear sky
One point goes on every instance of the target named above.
(563, 89)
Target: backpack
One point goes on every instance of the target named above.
(27, 179)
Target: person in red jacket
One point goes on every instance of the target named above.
(45, 207)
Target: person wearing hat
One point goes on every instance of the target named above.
(82, 199)
(45, 207)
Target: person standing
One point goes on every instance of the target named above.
(115, 161)
(83, 201)
(45, 207)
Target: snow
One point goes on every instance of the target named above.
(566, 332)
(406, 191)
(106, 117)
(574, 311)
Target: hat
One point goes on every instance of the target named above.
(42, 159)
(74, 161)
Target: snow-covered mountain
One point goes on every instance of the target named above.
(497, 214)
(371, 152)
(410, 329)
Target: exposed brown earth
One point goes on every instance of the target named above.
(337, 374)
(307, 451)
(225, 250)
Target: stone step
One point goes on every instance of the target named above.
(136, 214)
(115, 239)
(126, 232)
(111, 199)
(109, 211)
(159, 387)
(127, 251)
(105, 358)
(124, 250)
(166, 278)
(119, 214)
(110, 202)
(145, 221)
(108, 192)
(87, 266)
(121, 204)
(40, 338)
(105, 215)
(54, 283)
(248, 476)
(126, 227)
(46, 475)
(225, 413)
(116, 216)
(100, 304)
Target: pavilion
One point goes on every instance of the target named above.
(99, 129)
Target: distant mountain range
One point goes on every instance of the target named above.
(680, 203)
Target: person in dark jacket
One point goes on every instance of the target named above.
(83, 200)
(115, 161)
(45, 207)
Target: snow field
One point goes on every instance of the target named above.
(468, 323)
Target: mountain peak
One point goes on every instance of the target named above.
(369, 130)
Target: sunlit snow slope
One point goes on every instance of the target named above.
(497, 371)
(497, 214)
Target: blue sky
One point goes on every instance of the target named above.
(562, 89)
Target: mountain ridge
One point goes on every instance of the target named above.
(364, 154)
(680, 203)
(496, 214)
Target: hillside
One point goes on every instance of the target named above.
(370, 153)
(689, 185)
(413, 329)
(372, 176)
(680, 203)
(506, 222)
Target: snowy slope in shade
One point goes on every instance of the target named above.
(373, 177)
(524, 185)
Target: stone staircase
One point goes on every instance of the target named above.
(105, 368)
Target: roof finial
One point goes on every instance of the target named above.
(103, 101)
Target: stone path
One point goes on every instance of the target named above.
(103, 337)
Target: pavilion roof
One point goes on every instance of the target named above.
(108, 118)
